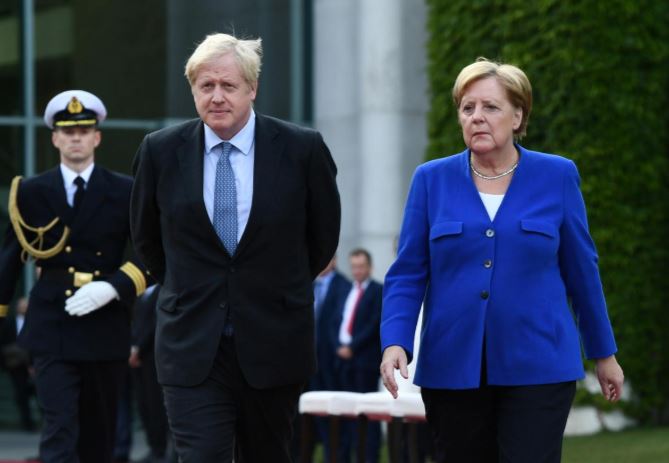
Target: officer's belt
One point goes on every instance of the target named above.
(68, 278)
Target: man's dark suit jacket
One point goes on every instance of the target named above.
(365, 338)
(98, 242)
(266, 286)
(326, 346)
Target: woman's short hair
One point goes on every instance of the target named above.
(512, 78)
(247, 53)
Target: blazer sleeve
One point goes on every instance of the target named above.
(144, 213)
(578, 266)
(408, 277)
(323, 207)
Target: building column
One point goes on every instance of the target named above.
(370, 105)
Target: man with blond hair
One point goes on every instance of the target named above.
(235, 214)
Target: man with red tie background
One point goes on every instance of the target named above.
(359, 350)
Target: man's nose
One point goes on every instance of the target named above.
(218, 95)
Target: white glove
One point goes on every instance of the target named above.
(90, 297)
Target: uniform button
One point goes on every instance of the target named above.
(490, 233)
(99, 253)
(68, 249)
(487, 263)
(484, 294)
(222, 305)
(96, 273)
(68, 292)
(70, 270)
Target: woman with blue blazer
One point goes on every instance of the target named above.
(495, 244)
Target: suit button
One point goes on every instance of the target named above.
(222, 305)
(484, 294)
(490, 233)
(96, 273)
(68, 249)
(70, 270)
(487, 263)
(68, 292)
(99, 253)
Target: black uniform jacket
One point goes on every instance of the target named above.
(97, 244)
(266, 286)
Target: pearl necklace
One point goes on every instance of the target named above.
(491, 177)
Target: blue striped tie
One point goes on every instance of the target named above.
(225, 200)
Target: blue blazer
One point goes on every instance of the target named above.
(526, 283)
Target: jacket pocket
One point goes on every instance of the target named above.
(167, 300)
(447, 228)
(539, 226)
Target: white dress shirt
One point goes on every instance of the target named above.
(68, 180)
(241, 160)
(344, 336)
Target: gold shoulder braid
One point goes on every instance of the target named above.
(33, 248)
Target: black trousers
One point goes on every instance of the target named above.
(224, 413)
(79, 404)
(505, 424)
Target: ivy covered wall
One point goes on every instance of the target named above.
(600, 77)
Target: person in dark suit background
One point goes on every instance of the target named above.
(16, 361)
(74, 221)
(330, 291)
(235, 214)
(150, 402)
(358, 343)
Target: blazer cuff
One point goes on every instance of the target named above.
(136, 276)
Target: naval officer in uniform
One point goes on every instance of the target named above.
(72, 221)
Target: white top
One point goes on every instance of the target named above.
(491, 203)
(68, 180)
(241, 159)
(344, 335)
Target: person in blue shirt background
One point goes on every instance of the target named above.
(495, 244)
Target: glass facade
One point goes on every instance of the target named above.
(131, 54)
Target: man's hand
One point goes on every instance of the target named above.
(134, 361)
(90, 297)
(344, 352)
(610, 377)
(394, 358)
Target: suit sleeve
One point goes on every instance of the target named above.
(129, 280)
(145, 322)
(580, 273)
(145, 214)
(408, 277)
(324, 209)
(10, 269)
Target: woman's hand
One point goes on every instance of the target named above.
(610, 377)
(394, 358)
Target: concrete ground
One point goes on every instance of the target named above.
(16, 445)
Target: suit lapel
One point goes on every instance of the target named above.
(269, 147)
(191, 164)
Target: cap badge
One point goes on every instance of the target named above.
(74, 106)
